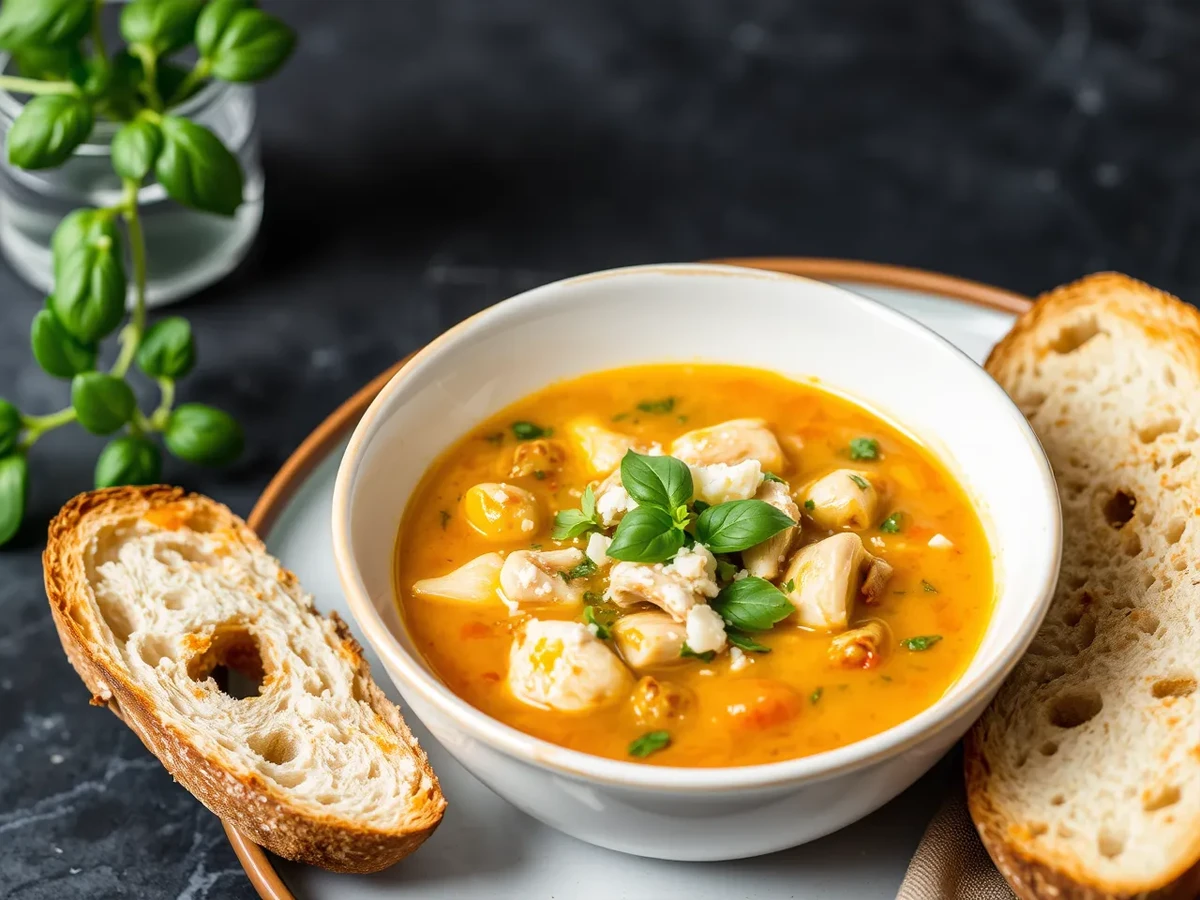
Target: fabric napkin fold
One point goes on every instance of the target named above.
(950, 862)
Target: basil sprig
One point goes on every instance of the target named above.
(739, 525)
(661, 481)
(648, 535)
(573, 523)
(752, 604)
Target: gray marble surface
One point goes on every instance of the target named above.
(428, 157)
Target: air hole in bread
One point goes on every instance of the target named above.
(277, 747)
(154, 649)
(1130, 542)
(1174, 530)
(287, 779)
(1148, 579)
(1048, 748)
(173, 599)
(1160, 798)
(1031, 401)
(1180, 458)
(1037, 829)
(1110, 842)
(1075, 581)
(1150, 433)
(373, 770)
(232, 659)
(1145, 620)
(1179, 563)
(1173, 687)
(117, 619)
(174, 554)
(1075, 335)
(1119, 508)
(1058, 800)
(1169, 376)
(1073, 709)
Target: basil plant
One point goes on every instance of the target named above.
(99, 255)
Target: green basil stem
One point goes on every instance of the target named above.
(160, 416)
(131, 334)
(198, 74)
(150, 68)
(36, 426)
(99, 51)
(17, 85)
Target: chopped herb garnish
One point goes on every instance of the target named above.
(688, 653)
(497, 438)
(573, 523)
(445, 514)
(539, 475)
(929, 588)
(598, 628)
(789, 585)
(725, 570)
(585, 569)
(815, 696)
(591, 597)
(535, 546)
(620, 417)
(864, 448)
(886, 677)
(891, 525)
(771, 476)
(810, 505)
(745, 642)
(900, 593)
(862, 483)
(650, 742)
(921, 642)
(682, 418)
(657, 407)
(528, 431)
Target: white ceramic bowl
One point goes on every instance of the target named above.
(791, 325)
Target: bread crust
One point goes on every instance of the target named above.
(255, 807)
(1174, 329)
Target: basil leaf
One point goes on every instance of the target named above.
(752, 604)
(49, 63)
(657, 407)
(864, 448)
(47, 131)
(810, 505)
(891, 525)
(10, 427)
(739, 525)
(196, 169)
(598, 628)
(135, 147)
(646, 534)
(128, 460)
(161, 25)
(14, 488)
(214, 20)
(573, 523)
(661, 481)
(167, 350)
(686, 652)
(203, 435)
(650, 742)
(89, 276)
(745, 642)
(771, 476)
(102, 403)
(587, 503)
(57, 352)
(36, 23)
(921, 642)
(528, 431)
(585, 569)
(252, 46)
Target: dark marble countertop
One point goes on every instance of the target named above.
(427, 158)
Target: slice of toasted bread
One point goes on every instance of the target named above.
(155, 592)
(1083, 776)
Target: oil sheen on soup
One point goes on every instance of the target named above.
(693, 565)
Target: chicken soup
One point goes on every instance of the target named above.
(693, 565)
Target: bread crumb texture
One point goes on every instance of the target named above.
(178, 619)
(1084, 774)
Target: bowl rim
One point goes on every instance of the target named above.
(411, 674)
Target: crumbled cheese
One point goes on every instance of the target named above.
(738, 660)
(528, 525)
(705, 629)
(614, 503)
(740, 574)
(878, 542)
(499, 495)
(940, 542)
(597, 548)
(721, 482)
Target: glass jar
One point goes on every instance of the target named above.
(186, 250)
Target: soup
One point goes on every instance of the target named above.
(693, 565)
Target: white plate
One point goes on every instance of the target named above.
(487, 849)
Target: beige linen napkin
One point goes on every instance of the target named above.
(950, 863)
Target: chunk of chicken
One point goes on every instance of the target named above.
(563, 666)
(842, 499)
(721, 482)
(657, 702)
(501, 512)
(674, 587)
(603, 447)
(597, 549)
(612, 500)
(537, 576)
(731, 442)
(827, 578)
(536, 456)
(859, 648)
(649, 639)
(764, 560)
(477, 581)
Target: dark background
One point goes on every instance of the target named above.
(427, 158)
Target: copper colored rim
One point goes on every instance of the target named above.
(317, 445)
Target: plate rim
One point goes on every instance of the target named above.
(314, 449)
